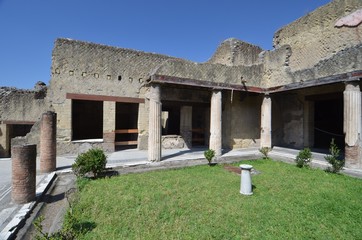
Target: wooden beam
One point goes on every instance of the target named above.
(89, 97)
(344, 77)
(205, 84)
(126, 131)
(12, 122)
(125, 143)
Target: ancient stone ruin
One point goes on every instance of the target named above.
(302, 93)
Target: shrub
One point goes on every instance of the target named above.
(334, 159)
(265, 151)
(94, 161)
(209, 155)
(304, 157)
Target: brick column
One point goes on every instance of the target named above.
(266, 120)
(48, 142)
(215, 123)
(109, 125)
(154, 126)
(352, 125)
(23, 158)
(186, 125)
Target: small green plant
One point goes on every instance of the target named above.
(209, 155)
(94, 161)
(265, 151)
(67, 232)
(304, 157)
(334, 159)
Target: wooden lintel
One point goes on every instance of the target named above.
(126, 131)
(204, 84)
(11, 122)
(345, 77)
(125, 143)
(89, 97)
(312, 83)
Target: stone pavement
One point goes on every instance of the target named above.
(12, 216)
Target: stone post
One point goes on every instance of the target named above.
(186, 125)
(246, 187)
(352, 124)
(48, 142)
(266, 120)
(23, 158)
(154, 127)
(215, 123)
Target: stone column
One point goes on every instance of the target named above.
(109, 125)
(154, 126)
(48, 142)
(186, 125)
(308, 124)
(266, 120)
(23, 158)
(4, 140)
(215, 123)
(352, 124)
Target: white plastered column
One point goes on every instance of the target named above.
(266, 122)
(215, 123)
(352, 124)
(154, 126)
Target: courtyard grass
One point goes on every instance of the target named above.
(204, 202)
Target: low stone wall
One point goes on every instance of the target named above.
(173, 142)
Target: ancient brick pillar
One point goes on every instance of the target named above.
(154, 127)
(186, 125)
(48, 143)
(215, 123)
(23, 158)
(266, 120)
(109, 125)
(352, 124)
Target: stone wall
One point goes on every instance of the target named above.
(22, 105)
(216, 73)
(241, 120)
(233, 52)
(94, 69)
(287, 120)
(315, 37)
(313, 46)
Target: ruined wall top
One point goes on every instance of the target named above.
(233, 52)
(89, 68)
(315, 37)
(22, 104)
(309, 48)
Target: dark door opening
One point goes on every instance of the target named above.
(199, 126)
(87, 120)
(170, 119)
(126, 125)
(328, 123)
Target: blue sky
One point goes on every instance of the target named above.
(190, 29)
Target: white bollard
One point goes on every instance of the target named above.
(245, 185)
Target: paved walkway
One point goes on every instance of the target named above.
(12, 215)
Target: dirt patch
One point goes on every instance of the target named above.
(232, 169)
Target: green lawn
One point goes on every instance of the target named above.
(204, 203)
